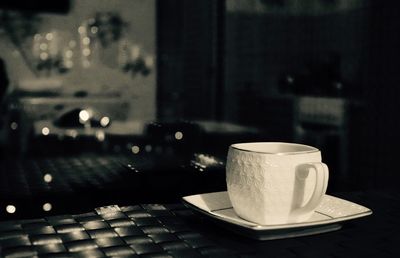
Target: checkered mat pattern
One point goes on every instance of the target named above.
(76, 184)
(110, 231)
(69, 174)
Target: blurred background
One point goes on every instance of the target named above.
(126, 101)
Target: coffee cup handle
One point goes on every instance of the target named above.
(321, 184)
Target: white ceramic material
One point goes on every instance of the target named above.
(275, 183)
(328, 216)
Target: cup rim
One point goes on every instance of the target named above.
(307, 148)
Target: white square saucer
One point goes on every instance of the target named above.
(326, 218)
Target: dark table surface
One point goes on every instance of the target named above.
(151, 220)
(174, 230)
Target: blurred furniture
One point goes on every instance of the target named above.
(26, 116)
(48, 108)
(180, 138)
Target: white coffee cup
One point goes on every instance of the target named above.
(275, 182)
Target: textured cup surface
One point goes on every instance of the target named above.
(263, 185)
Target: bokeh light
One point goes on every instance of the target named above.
(11, 209)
